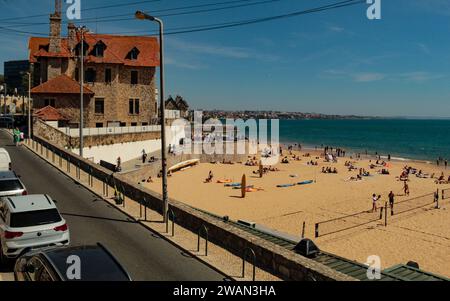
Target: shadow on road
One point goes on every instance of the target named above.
(99, 217)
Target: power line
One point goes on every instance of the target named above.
(209, 27)
(108, 19)
(86, 9)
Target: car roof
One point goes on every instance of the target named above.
(29, 203)
(3, 150)
(96, 263)
(7, 174)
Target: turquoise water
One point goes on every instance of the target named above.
(411, 139)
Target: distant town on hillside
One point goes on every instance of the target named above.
(219, 114)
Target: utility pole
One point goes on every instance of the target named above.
(81, 89)
(29, 105)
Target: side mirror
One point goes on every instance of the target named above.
(55, 201)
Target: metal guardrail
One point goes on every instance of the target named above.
(203, 227)
(244, 257)
(171, 214)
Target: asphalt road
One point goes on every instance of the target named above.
(145, 255)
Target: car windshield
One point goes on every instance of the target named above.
(9, 185)
(34, 218)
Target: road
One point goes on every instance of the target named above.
(145, 255)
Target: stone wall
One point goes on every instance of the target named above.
(55, 136)
(270, 257)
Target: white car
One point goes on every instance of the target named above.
(5, 160)
(30, 222)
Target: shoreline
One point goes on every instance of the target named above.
(350, 151)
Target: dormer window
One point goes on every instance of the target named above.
(133, 54)
(78, 47)
(99, 49)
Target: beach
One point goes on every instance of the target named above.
(421, 235)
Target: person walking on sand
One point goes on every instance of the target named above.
(391, 200)
(118, 167)
(406, 189)
(144, 156)
(375, 198)
(445, 163)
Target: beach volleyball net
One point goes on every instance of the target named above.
(446, 193)
(347, 222)
(415, 203)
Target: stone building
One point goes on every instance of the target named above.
(119, 76)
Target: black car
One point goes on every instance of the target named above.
(82, 263)
(6, 122)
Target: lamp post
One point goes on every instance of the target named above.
(81, 29)
(143, 16)
(29, 105)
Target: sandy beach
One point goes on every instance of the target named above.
(421, 235)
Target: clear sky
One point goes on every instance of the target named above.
(335, 61)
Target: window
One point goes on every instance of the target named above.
(134, 124)
(134, 77)
(108, 75)
(49, 102)
(133, 54)
(99, 106)
(78, 47)
(136, 106)
(133, 106)
(34, 218)
(99, 125)
(123, 124)
(10, 185)
(99, 49)
(90, 75)
(77, 74)
(144, 123)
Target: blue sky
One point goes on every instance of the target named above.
(336, 61)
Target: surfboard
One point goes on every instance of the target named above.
(305, 182)
(183, 164)
(286, 185)
(243, 185)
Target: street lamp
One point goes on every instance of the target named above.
(29, 104)
(81, 30)
(143, 16)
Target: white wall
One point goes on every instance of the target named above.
(130, 150)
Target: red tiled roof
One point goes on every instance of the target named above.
(60, 85)
(49, 113)
(36, 46)
(117, 48)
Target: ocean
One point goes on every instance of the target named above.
(401, 138)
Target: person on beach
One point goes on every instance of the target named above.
(375, 198)
(391, 200)
(445, 164)
(210, 177)
(144, 156)
(118, 167)
(406, 188)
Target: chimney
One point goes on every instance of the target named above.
(55, 29)
(72, 36)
